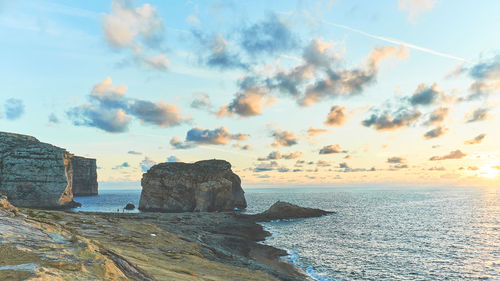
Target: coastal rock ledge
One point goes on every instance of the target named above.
(204, 186)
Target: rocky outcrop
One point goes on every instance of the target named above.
(208, 185)
(84, 176)
(5, 206)
(35, 174)
(284, 210)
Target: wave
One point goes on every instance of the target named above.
(293, 258)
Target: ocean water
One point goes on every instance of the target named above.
(109, 200)
(377, 233)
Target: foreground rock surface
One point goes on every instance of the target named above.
(284, 210)
(56, 245)
(36, 174)
(208, 185)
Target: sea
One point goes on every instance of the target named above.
(376, 233)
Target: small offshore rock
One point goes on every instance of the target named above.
(73, 204)
(284, 210)
(129, 206)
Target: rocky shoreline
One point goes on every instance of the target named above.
(60, 245)
(190, 227)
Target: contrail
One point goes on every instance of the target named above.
(398, 42)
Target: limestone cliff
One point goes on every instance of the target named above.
(84, 176)
(208, 185)
(35, 174)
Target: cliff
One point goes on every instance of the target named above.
(208, 185)
(84, 176)
(35, 174)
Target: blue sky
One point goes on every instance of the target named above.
(246, 81)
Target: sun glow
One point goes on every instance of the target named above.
(488, 172)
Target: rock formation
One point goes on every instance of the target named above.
(84, 176)
(284, 210)
(129, 206)
(35, 174)
(208, 185)
(5, 206)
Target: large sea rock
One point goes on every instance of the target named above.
(35, 174)
(206, 186)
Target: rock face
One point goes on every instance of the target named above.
(208, 185)
(84, 176)
(35, 174)
(284, 210)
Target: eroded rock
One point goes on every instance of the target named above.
(208, 185)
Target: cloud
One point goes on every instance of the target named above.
(220, 135)
(437, 169)
(435, 133)
(349, 82)
(415, 8)
(14, 109)
(249, 101)
(111, 111)
(159, 62)
(53, 119)
(215, 52)
(134, 152)
(201, 101)
(112, 121)
(387, 121)
(437, 116)
(425, 95)
(173, 158)
(331, 149)
(315, 131)
(177, 143)
(270, 36)
(476, 140)
(136, 29)
(275, 155)
(479, 114)
(160, 114)
(266, 167)
(344, 165)
(283, 138)
(197, 135)
(323, 163)
(271, 156)
(123, 165)
(396, 160)
(108, 94)
(472, 168)
(320, 54)
(292, 155)
(486, 75)
(246, 147)
(456, 154)
(399, 166)
(221, 58)
(129, 27)
(146, 164)
(337, 116)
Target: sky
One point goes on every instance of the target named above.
(291, 93)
